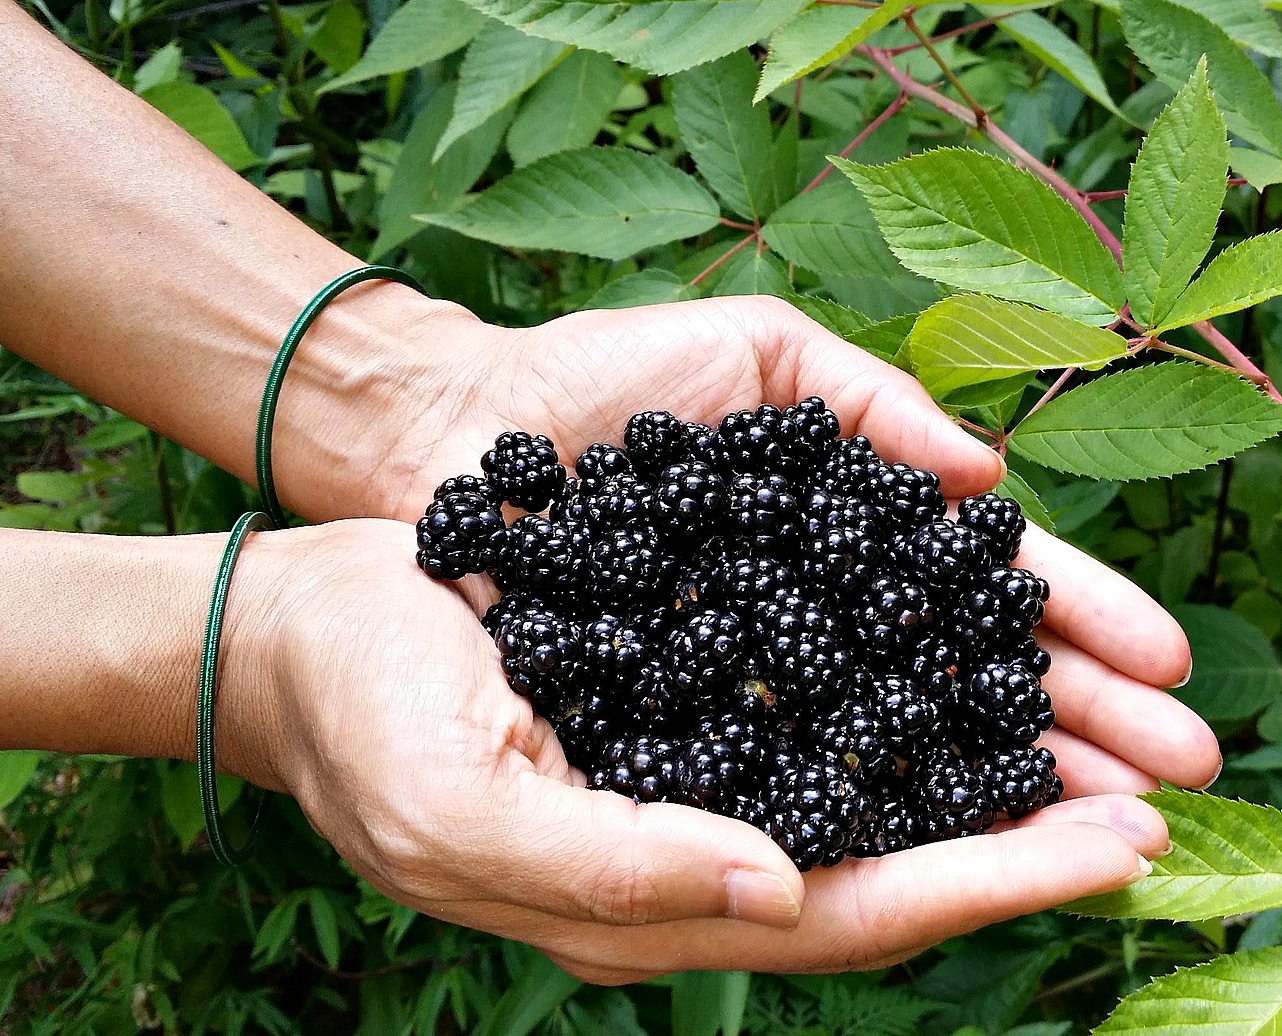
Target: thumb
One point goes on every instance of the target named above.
(597, 856)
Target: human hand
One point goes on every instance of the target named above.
(373, 696)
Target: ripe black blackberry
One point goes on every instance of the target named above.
(998, 520)
(764, 510)
(845, 559)
(705, 773)
(1021, 596)
(945, 554)
(524, 470)
(933, 665)
(629, 562)
(899, 824)
(807, 656)
(570, 505)
(852, 470)
(911, 496)
(541, 655)
(638, 767)
(1021, 780)
(745, 582)
(758, 442)
(540, 554)
(654, 440)
(1003, 704)
(895, 616)
(976, 625)
(614, 646)
(955, 799)
(823, 509)
(854, 735)
(745, 731)
(600, 462)
(815, 429)
(707, 651)
(906, 715)
(459, 534)
(621, 501)
(464, 484)
(817, 812)
(1028, 653)
(690, 500)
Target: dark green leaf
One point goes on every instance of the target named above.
(1235, 670)
(566, 109)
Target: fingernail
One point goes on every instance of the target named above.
(1187, 677)
(1215, 778)
(762, 898)
(1142, 869)
(1170, 848)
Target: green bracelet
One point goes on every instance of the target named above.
(274, 518)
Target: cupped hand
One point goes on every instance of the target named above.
(387, 717)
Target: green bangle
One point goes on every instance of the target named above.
(267, 411)
(223, 850)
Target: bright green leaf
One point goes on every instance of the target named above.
(840, 320)
(50, 487)
(566, 109)
(660, 36)
(499, 66)
(16, 769)
(705, 1003)
(1049, 45)
(1242, 275)
(419, 32)
(1257, 168)
(647, 288)
(1015, 488)
(753, 273)
(341, 35)
(828, 230)
(1171, 39)
(325, 925)
(538, 990)
(607, 202)
(1244, 21)
(1226, 859)
(728, 138)
(977, 223)
(967, 339)
(180, 799)
(810, 41)
(1148, 423)
(162, 67)
(1173, 205)
(1236, 672)
(197, 110)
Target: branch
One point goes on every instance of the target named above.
(725, 256)
(891, 110)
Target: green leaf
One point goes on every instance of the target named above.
(1041, 39)
(1233, 995)
(566, 109)
(16, 769)
(419, 32)
(606, 202)
(162, 67)
(325, 925)
(810, 41)
(197, 110)
(1148, 423)
(499, 66)
(647, 288)
(1258, 168)
(828, 230)
(50, 487)
(978, 223)
(1242, 275)
(1235, 670)
(1015, 488)
(180, 799)
(419, 184)
(753, 273)
(705, 1003)
(341, 35)
(538, 990)
(660, 36)
(967, 339)
(728, 138)
(1171, 39)
(1244, 21)
(840, 320)
(277, 927)
(113, 433)
(1173, 205)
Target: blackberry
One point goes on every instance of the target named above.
(621, 501)
(807, 654)
(1005, 704)
(758, 442)
(571, 504)
(701, 587)
(639, 767)
(998, 520)
(629, 562)
(1021, 780)
(843, 559)
(945, 554)
(895, 615)
(747, 581)
(1021, 596)
(855, 736)
(911, 496)
(1027, 653)
(933, 665)
(654, 440)
(815, 429)
(584, 725)
(976, 626)
(707, 651)
(764, 509)
(538, 553)
(510, 606)
(852, 470)
(900, 823)
(690, 499)
(748, 737)
(705, 773)
(646, 700)
(822, 510)
(541, 655)
(955, 799)
(747, 808)
(817, 812)
(906, 715)
(459, 534)
(600, 462)
(464, 484)
(524, 470)
(613, 646)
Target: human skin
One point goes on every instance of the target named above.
(159, 282)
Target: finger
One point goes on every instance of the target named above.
(1087, 769)
(875, 399)
(1106, 614)
(1135, 721)
(597, 856)
(1140, 824)
(586, 971)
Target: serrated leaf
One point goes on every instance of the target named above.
(808, 42)
(977, 223)
(1054, 49)
(197, 110)
(1148, 423)
(1171, 39)
(499, 66)
(660, 36)
(16, 769)
(606, 202)
(728, 138)
(1236, 673)
(566, 109)
(419, 32)
(840, 320)
(539, 989)
(885, 338)
(50, 487)
(968, 339)
(1258, 168)
(1234, 995)
(1242, 275)
(1173, 204)
(828, 230)
(753, 273)
(1226, 858)
(1244, 21)
(647, 288)
(1013, 487)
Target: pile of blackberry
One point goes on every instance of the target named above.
(767, 621)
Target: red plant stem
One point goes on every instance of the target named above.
(891, 110)
(1094, 196)
(960, 31)
(725, 256)
(1237, 358)
(738, 226)
(978, 429)
(1047, 396)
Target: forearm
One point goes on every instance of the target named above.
(145, 272)
(101, 642)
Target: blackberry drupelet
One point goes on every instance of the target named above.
(1021, 780)
(998, 520)
(524, 470)
(460, 533)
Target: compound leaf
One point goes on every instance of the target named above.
(419, 32)
(566, 109)
(606, 202)
(1240, 276)
(968, 339)
(1148, 423)
(828, 230)
(977, 223)
(1176, 190)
